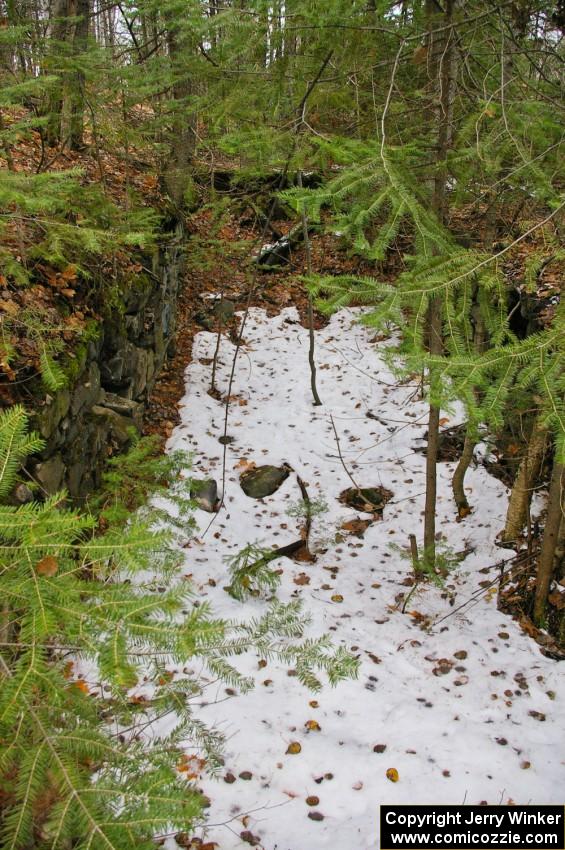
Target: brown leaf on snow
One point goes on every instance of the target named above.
(294, 748)
(301, 579)
(249, 838)
(392, 774)
(245, 464)
(357, 526)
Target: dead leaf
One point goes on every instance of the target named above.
(313, 726)
(302, 579)
(337, 597)
(312, 800)
(48, 566)
(357, 526)
(294, 748)
(392, 774)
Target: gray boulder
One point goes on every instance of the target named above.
(263, 480)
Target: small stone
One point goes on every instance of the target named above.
(246, 775)
(229, 778)
(315, 816)
(379, 748)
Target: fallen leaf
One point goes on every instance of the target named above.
(337, 597)
(358, 527)
(312, 800)
(314, 726)
(392, 774)
(294, 748)
(48, 566)
(249, 838)
(302, 579)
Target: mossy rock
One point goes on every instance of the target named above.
(371, 500)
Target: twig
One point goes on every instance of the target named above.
(349, 475)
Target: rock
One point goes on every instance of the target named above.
(118, 426)
(139, 377)
(263, 480)
(223, 310)
(137, 296)
(87, 391)
(368, 499)
(117, 372)
(203, 320)
(205, 494)
(52, 413)
(124, 406)
(50, 474)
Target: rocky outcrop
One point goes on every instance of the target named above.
(113, 374)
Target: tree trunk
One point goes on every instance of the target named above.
(521, 494)
(443, 55)
(183, 129)
(311, 337)
(77, 79)
(458, 482)
(471, 434)
(555, 517)
(58, 38)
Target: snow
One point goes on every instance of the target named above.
(440, 731)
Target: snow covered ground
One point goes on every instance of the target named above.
(467, 711)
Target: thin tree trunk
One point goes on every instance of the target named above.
(458, 481)
(521, 494)
(471, 434)
(77, 80)
(555, 513)
(311, 343)
(443, 72)
(436, 347)
(58, 39)
(183, 130)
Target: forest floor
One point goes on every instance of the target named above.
(451, 694)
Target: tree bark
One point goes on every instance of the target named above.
(555, 517)
(521, 494)
(77, 79)
(183, 129)
(471, 434)
(311, 337)
(442, 51)
(58, 39)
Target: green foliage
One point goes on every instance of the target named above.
(95, 633)
(250, 572)
(145, 474)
